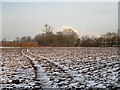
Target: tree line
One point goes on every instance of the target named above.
(69, 38)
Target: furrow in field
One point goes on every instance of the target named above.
(40, 75)
(68, 78)
(72, 74)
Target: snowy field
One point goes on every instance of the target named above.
(60, 67)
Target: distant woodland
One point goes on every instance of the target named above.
(69, 38)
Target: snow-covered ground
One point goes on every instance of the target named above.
(60, 67)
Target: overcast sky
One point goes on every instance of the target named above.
(28, 18)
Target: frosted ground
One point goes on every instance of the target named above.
(60, 67)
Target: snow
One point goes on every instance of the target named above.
(60, 67)
(41, 72)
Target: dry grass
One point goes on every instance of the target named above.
(19, 44)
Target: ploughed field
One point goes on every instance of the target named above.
(60, 67)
